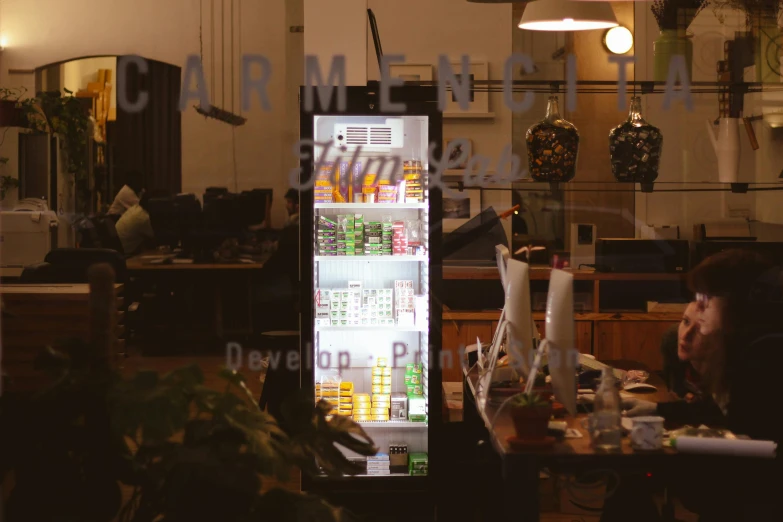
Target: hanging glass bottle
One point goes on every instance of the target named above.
(635, 148)
(552, 147)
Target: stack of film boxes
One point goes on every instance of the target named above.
(399, 406)
(345, 306)
(376, 307)
(414, 191)
(323, 190)
(326, 236)
(398, 457)
(323, 308)
(346, 399)
(358, 222)
(378, 464)
(418, 464)
(387, 193)
(417, 404)
(381, 392)
(362, 407)
(346, 235)
(386, 236)
(373, 239)
(404, 303)
(399, 239)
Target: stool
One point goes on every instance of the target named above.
(277, 380)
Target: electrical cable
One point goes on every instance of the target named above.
(232, 55)
(212, 45)
(223, 53)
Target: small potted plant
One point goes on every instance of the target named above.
(530, 413)
(673, 18)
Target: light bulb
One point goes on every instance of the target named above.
(618, 40)
(3, 42)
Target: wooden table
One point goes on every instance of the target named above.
(36, 316)
(215, 278)
(521, 470)
(143, 263)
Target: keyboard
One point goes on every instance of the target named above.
(594, 364)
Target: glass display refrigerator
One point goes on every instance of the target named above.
(370, 268)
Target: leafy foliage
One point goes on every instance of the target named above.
(756, 11)
(528, 400)
(68, 117)
(189, 453)
(676, 14)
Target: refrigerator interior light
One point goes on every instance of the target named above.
(567, 15)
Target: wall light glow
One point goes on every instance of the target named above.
(618, 40)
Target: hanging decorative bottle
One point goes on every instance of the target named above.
(635, 149)
(552, 147)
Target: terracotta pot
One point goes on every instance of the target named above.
(531, 423)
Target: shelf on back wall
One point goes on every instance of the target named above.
(370, 206)
(528, 185)
(373, 259)
(610, 86)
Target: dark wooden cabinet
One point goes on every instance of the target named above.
(638, 341)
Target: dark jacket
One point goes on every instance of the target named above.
(755, 400)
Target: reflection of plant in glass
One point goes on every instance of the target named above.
(187, 452)
(676, 14)
(754, 9)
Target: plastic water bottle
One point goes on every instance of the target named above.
(606, 421)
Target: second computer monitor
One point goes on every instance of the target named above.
(562, 355)
(521, 328)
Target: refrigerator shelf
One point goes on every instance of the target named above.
(373, 328)
(365, 206)
(392, 424)
(373, 259)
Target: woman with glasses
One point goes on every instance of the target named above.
(739, 297)
(685, 356)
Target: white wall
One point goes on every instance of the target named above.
(687, 153)
(424, 30)
(42, 32)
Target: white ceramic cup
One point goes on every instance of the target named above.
(647, 433)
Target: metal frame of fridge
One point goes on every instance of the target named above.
(364, 101)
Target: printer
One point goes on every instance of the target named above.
(27, 234)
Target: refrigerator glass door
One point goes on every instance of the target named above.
(371, 278)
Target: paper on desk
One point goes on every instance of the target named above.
(738, 447)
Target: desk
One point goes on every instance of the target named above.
(142, 263)
(521, 469)
(36, 316)
(226, 283)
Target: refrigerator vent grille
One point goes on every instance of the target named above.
(370, 136)
(373, 136)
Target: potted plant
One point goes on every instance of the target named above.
(6, 182)
(761, 18)
(673, 18)
(530, 413)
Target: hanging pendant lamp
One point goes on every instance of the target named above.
(567, 15)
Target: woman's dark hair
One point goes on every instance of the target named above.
(750, 284)
(752, 287)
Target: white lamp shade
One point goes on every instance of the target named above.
(567, 15)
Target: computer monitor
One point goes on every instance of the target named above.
(563, 358)
(254, 205)
(502, 255)
(519, 316)
(163, 218)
